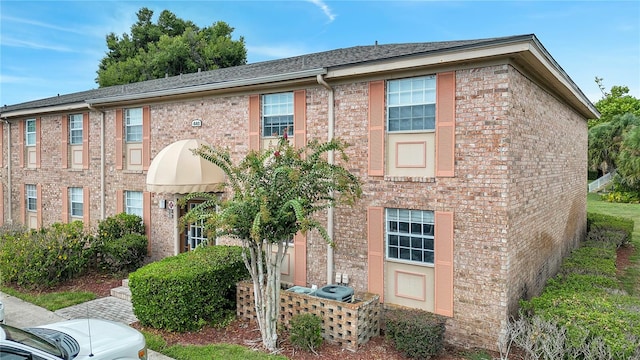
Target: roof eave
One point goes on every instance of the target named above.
(185, 91)
(44, 110)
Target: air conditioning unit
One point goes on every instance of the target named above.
(336, 292)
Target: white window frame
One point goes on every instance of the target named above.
(76, 202)
(133, 202)
(75, 129)
(409, 236)
(31, 197)
(30, 134)
(277, 114)
(133, 125)
(411, 104)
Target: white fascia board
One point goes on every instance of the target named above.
(44, 110)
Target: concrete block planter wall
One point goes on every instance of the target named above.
(347, 324)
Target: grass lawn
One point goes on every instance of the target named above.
(631, 278)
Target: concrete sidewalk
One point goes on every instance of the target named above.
(23, 314)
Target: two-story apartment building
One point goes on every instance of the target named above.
(472, 155)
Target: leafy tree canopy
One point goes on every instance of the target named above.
(615, 102)
(172, 46)
(273, 195)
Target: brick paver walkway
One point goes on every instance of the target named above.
(107, 308)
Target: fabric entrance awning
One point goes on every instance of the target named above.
(176, 170)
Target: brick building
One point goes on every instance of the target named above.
(472, 154)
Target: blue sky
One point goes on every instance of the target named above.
(54, 47)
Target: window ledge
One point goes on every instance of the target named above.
(415, 179)
(409, 262)
(132, 171)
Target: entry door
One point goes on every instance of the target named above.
(193, 234)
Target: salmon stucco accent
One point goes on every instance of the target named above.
(376, 128)
(375, 253)
(119, 201)
(445, 124)
(86, 201)
(443, 253)
(64, 141)
(146, 217)
(300, 259)
(299, 118)
(254, 122)
(85, 141)
(21, 145)
(64, 199)
(38, 147)
(1, 204)
(146, 137)
(119, 136)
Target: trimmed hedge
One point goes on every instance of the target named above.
(184, 292)
(121, 243)
(415, 333)
(305, 331)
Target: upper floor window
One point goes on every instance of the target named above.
(133, 202)
(76, 200)
(411, 104)
(133, 125)
(410, 235)
(32, 197)
(30, 132)
(75, 129)
(277, 114)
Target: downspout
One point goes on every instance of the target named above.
(330, 210)
(9, 185)
(102, 162)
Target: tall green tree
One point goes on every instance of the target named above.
(273, 194)
(617, 101)
(171, 46)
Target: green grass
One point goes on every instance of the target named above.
(52, 301)
(630, 279)
(205, 352)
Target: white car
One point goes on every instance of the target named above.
(80, 339)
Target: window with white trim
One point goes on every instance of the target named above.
(133, 125)
(409, 235)
(133, 202)
(277, 114)
(31, 197)
(76, 201)
(30, 132)
(411, 104)
(75, 129)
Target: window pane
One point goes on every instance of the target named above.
(75, 129)
(417, 247)
(30, 132)
(277, 114)
(133, 203)
(76, 200)
(407, 104)
(133, 125)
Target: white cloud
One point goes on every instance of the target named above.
(7, 41)
(325, 8)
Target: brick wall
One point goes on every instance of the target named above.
(518, 197)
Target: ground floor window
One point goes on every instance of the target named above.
(409, 235)
(133, 202)
(31, 197)
(76, 201)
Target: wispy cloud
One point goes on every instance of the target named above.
(7, 41)
(325, 9)
(41, 24)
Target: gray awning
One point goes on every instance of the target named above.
(176, 170)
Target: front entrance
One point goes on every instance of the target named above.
(193, 234)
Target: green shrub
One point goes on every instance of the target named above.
(44, 258)
(185, 292)
(125, 254)
(614, 229)
(595, 258)
(417, 334)
(632, 197)
(305, 331)
(115, 227)
(121, 244)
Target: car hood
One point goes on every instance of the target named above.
(108, 339)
